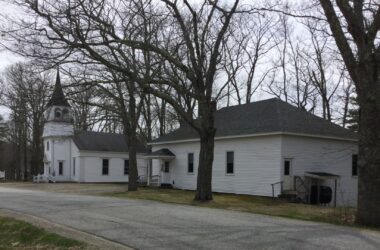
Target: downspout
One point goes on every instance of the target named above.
(70, 175)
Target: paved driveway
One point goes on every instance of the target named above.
(152, 225)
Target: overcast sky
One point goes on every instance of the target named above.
(7, 58)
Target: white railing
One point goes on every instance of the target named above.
(142, 179)
(51, 179)
(42, 178)
(154, 180)
(39, 178)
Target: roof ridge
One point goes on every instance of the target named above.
(251, 103)
(97, 132)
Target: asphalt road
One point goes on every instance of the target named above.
(153, 225)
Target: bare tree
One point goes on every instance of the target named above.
(25, 93)
(290, 79)
(187, 43)
(355, 26)
(245, 50)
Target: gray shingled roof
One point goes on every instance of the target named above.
(161, 152)
(58, 98)
(97, 141)
(267, 116)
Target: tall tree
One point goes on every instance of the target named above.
(355, 26)
(25, 93)
(183, 41)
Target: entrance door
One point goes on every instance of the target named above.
(166, 172)
(287, 173)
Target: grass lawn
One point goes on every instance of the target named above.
(15, 234)
(248, 203)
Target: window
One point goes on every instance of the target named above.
(166, 167)
(354, 165)
(287, 167)
(126, 167)
(105, 168)
(190, 163)
(47, 146)
(230, 163)
(57, 113)
(73, 166)
(60, 168)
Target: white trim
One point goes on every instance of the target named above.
(63, 172)
(257, 135)
(158, 157)
(108, 152)
(187, 161)
(233, 163)
(108, 166)
(290, 160)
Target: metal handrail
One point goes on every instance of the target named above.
(273, 184)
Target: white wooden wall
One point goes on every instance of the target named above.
(257, 164)
(324, 155)
(91, 166)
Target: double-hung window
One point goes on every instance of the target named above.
(230, 162)
(190, 163)
(354, 165)
(126, 167)
(105, 167)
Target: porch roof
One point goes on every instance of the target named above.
(163, 153)
(321, 175)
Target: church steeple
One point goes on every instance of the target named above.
(58, 98)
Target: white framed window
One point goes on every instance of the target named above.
(60, 168)
(166, 167)
(230, 166)
(105, 166)
(190, 163)
(287, 167)
(74, 166)
(126, 167)
(354, 166)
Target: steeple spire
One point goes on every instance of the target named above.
(58, 98)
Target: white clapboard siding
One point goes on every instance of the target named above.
(257, 162)
(91, 163)
(324, 155)
(60, 149)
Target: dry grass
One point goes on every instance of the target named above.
(244, 203)
(248, 203)
(15, 234)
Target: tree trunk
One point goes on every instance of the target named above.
(132, 153)
(206, 158)
(206, 154)
(369, 161)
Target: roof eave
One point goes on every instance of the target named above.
(257, 135)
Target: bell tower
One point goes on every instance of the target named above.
(58, 115)
(57, 136)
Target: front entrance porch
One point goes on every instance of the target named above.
(159, 167)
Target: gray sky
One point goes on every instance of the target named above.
(7, 58)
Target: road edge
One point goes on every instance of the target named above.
(93, 241)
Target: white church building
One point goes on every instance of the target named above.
(265, 148)
(82, 156)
